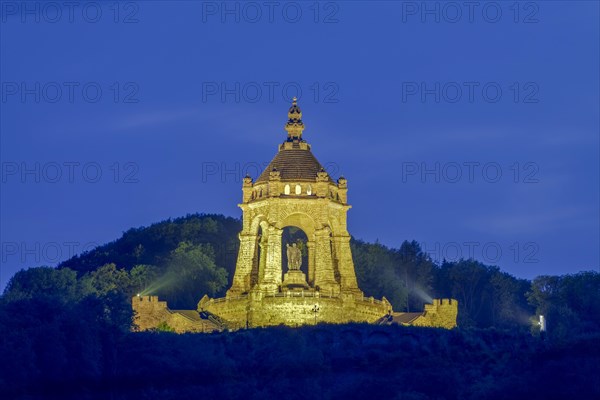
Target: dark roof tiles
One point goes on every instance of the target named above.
(293, 164)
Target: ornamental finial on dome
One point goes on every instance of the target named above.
(294, 126)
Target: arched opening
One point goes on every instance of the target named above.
(298, 226)
(295, 238)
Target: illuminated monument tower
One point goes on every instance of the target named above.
(293, 191)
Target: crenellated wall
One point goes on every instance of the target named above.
(441, 313)
(150, 313)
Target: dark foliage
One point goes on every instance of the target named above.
(69, 352)
(153, 245)
(65, 332)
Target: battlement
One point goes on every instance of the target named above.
(440, 313)
(151, 299)
(436, 304)
(145, 298)
(148, 303)
(441, 302)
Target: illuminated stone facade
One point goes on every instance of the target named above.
(293, 191)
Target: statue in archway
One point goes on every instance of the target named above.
(294, 257)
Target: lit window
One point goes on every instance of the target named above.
(309, 190)
(298, 189)
(286, 190)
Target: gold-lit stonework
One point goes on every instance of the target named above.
(293, 191)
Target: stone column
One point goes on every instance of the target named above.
(243, 267)
(256, 261)
(271, 279)
(311, 262)
(324, 275)
(345, 263)
(263, 243)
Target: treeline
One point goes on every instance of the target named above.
(66, 331)
(408, 277)
(182, 259)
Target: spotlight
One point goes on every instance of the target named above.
(542, 324)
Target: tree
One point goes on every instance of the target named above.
(142, 277)
(42, 282)
(415, 268)
(106, 279)
(469, 283)
(509, 306)
(570, 303)
(376, 272)
(190, 274)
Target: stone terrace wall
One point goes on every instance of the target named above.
(295, 310)
(150, 312)
(441, 314)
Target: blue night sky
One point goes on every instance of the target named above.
(473, 137)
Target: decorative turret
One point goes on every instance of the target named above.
(343, 189)
(294, 126)
(247, 189)
(274, 179)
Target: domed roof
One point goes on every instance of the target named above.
(294, 163)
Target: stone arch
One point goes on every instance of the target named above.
(259, 221)
(300, 220)
(295, 278)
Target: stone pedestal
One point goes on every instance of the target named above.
(295, 279)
